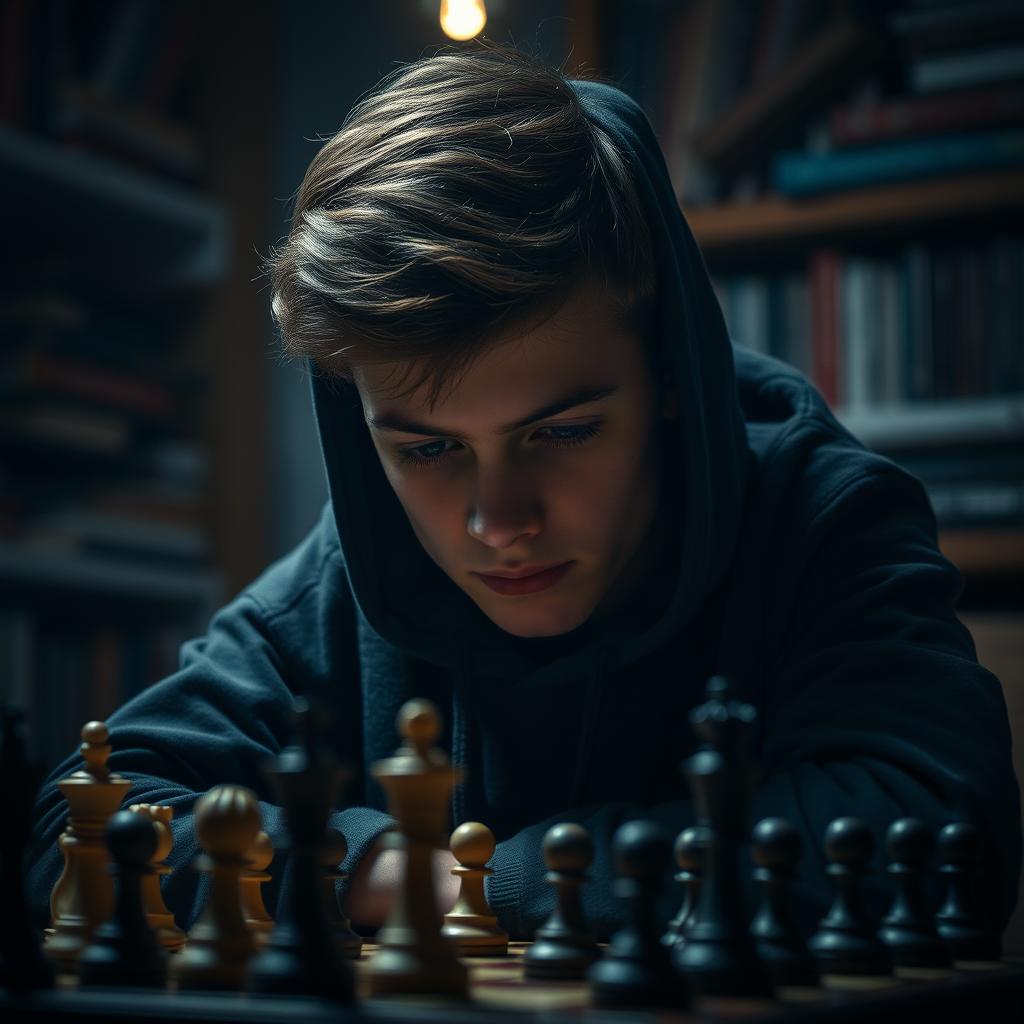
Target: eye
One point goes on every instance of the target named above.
(424, 454)
(567, 434)
(558, 435)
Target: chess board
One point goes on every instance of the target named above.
(499, 991)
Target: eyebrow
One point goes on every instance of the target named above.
(578, 396)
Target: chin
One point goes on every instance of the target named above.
(530, 623)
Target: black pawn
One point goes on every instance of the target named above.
(718, 956)
(845, 942)
(124, 950)
(777, 850)
(958, 921)
(563, 946)
(335, 850)
(689, 852)
(907, 929)
(636, 970)
(300, 956)
(22, 964)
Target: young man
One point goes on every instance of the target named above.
(560, 500)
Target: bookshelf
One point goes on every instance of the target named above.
(134, 344)
(746, 227)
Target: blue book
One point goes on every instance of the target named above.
(799, 174)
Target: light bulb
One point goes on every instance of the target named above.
(463, 19)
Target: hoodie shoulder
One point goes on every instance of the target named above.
(796, 440)
(312, 574)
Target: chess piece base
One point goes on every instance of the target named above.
(408, 971)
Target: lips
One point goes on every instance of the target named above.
(526, 584)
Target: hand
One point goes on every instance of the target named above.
(377, 877)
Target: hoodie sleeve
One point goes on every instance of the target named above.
(222, 716)
(872, 704)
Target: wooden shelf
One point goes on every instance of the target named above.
(23, 568)
(768, 222)
(937, 422)
(984, 551)
(134, 226)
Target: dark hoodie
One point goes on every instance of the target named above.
(803, 566)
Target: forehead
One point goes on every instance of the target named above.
(586, 342)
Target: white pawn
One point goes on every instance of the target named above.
(254, 910)
(471, 924)
(220, 945)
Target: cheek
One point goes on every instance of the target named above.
(605, 496)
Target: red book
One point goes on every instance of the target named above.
(825, 270)
(905, 117)
(57, 376)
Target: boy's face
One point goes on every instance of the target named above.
(534, 482)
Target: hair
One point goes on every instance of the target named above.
(462, 196)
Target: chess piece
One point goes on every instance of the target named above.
(907, 930)
(124, 950)
(777, 850)
(254, 910)
(958, 921)
(23, 968)
(219, 947)
(689, 852)
(636, 970)
(83, 897)
(161, 920)
(471, 924)
(845, 943)
(563, 946)
(719, 956)
(335, 850)
(414, 957)
(300, 957)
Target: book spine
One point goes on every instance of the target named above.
(825, 272)
(892, 302)
(858, 334)
(940, 71)
(800, 174)
(920, 115)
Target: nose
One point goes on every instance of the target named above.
(504, 509)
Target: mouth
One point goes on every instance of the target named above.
(525, 582)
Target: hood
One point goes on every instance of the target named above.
(411, 603)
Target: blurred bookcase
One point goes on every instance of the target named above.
(130, 380)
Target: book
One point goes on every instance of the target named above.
(892, 317)
(797, 318)
(909, 116)
(858, 311)
(803, 173)
(40, 374)
(826, 341)
(67, 429)
(115, 535)
(917, 348)
(935, 72)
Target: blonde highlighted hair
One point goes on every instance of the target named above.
(463, 195)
